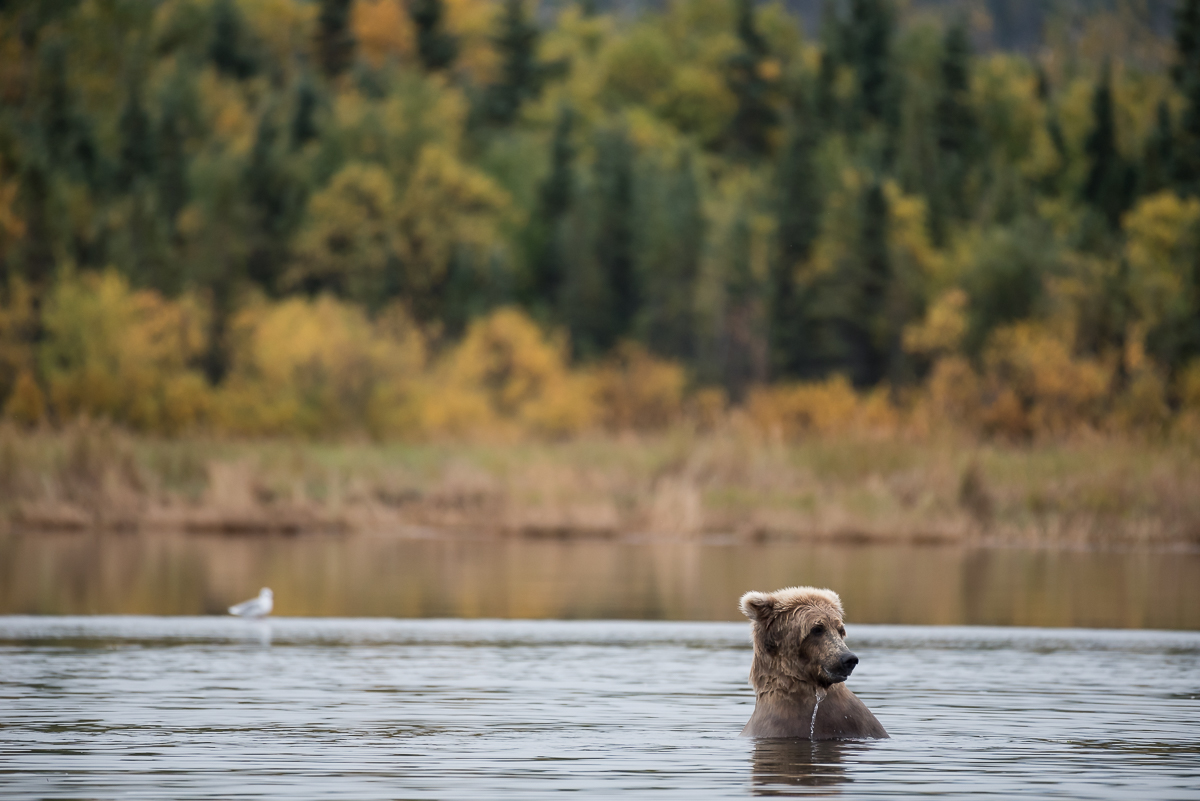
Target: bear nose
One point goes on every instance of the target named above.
(848, 662)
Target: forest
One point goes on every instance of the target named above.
(415, 219)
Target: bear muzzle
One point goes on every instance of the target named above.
(842, 669)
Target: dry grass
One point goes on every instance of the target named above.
(728, 483)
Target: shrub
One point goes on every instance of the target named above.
(319, 367)
(637, 391)
(122, 355)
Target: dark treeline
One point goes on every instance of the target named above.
(759, 202)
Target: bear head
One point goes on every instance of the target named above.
(798, 639)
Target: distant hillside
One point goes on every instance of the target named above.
(998, 24)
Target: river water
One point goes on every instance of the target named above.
(381, 576)
(208, 707)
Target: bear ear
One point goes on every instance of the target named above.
(758, 606)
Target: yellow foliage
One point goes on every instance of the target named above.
(953, 391)
(638, 66)
(115, 353)
(346, 238)
(697, 100)
(795, 410)
(472, 23)
(27, 403)
(942, 329)
(447, 207)
(18, 324)
(637, 391)
(506, 376)
(1143, 404)
(319, 367)
(911, 251)
(383, 30)
(1056, 392)
(1162, 245)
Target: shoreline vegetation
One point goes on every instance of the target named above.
(732, 482)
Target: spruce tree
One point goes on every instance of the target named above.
(522, 74)
(66, 132)
(334, 40)
(954, 131)
(557, 193)
(274, 198)
(1158, 158)
(1186, 74)
(799, 215)
(614, 235)
(750, 130)
(869, 45)
(137, 142)
(230, 49)
(437, 48)
(1108, 188)
(304, 115)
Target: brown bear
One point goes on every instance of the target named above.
(800, 665)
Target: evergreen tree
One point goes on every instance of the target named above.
(615, 231)
(304, 117)
(557, 193)
(833, 54)
(522, 74)
(230, 49)
(275, 199)
(1158, 158)
(755, 117)
(671, 235)
(869, 45)
(335, 42)
(436, 48)
(954, 131)
(1186, 74)
(1109, 183)
(137, 142)
(856, 336)
(66, 133)
(799, 215)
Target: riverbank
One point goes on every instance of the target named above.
(731, 483)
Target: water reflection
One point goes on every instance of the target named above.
(361, 576)
(780, 767)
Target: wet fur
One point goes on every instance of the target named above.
(799, 648)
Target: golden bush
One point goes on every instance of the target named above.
(794, 410)
(318, 367)
(1056, 391)
(636, 391)
(123, 355)
(506, 377)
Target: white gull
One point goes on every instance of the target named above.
(255, 607)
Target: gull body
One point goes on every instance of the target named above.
(255, 607)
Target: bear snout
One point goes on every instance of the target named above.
(846, 664)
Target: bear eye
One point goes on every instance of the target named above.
(818, 629)
(841, 631)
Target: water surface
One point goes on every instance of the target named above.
(144, 707)
(383, 576)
